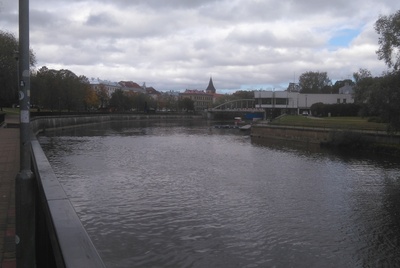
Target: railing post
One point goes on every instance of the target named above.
(24, 185)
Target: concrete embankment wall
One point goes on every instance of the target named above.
(320, 135)
(39, 124)
(290, 133)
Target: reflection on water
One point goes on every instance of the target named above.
(185, 194)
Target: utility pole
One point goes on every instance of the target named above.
(24, 184)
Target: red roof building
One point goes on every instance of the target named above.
(201, 99)
(131, 86)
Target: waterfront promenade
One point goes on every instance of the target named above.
(9, 167)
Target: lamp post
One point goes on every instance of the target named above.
(24, 183)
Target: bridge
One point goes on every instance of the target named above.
(245, 108)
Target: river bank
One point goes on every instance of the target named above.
(152, 193)
(371, 141)
(379, 142)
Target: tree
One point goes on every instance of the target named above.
(57, 90)
(186, 104)
(362, 89)
(45, 88)
(120, 101)
(243, 94)
(336, 109)
(9, 68)
(384, 92)
(361, 74)
(318, 109)
(293, 87)
(71, 89)
(388, 27)
(91, 100)
(341, 83)
(385, 98)
(315, 82)
(168, 101)
(102, 95)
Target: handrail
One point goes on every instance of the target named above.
(70, 245)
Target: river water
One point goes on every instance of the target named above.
(184, 194)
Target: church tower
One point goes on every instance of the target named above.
(211, 89)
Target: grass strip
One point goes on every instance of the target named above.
(351, 123)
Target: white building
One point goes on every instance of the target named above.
(295, 102)
(109, 86)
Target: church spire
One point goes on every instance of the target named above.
(211, 88)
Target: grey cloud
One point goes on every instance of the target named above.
(151, 4)
(41, 19)
(170, 4)
(178, 44)
(101, 19)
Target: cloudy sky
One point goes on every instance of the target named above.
(179, 44)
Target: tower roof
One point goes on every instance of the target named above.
(210, 88)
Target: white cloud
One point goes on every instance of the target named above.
(179, 44)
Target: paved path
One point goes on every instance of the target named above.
(9, 168)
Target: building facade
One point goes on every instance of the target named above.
(154, 94)
(108, 86)
(130, 86)
(201, 99)
(294, 102)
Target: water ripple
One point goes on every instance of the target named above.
(189, 197)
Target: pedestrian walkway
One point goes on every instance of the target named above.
(9, 168)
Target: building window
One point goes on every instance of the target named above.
(344, 101)
(266, 101)
(281, 101)
(338, 100)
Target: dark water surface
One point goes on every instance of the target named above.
(185, 194)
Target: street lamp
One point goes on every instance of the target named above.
(24, 183)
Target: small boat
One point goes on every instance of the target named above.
(238, 120)
(245, 127)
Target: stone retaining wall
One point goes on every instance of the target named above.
(39, 124)
(319, 135)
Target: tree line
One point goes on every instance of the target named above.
(63, 90)
(315, 82)
(9, 58)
